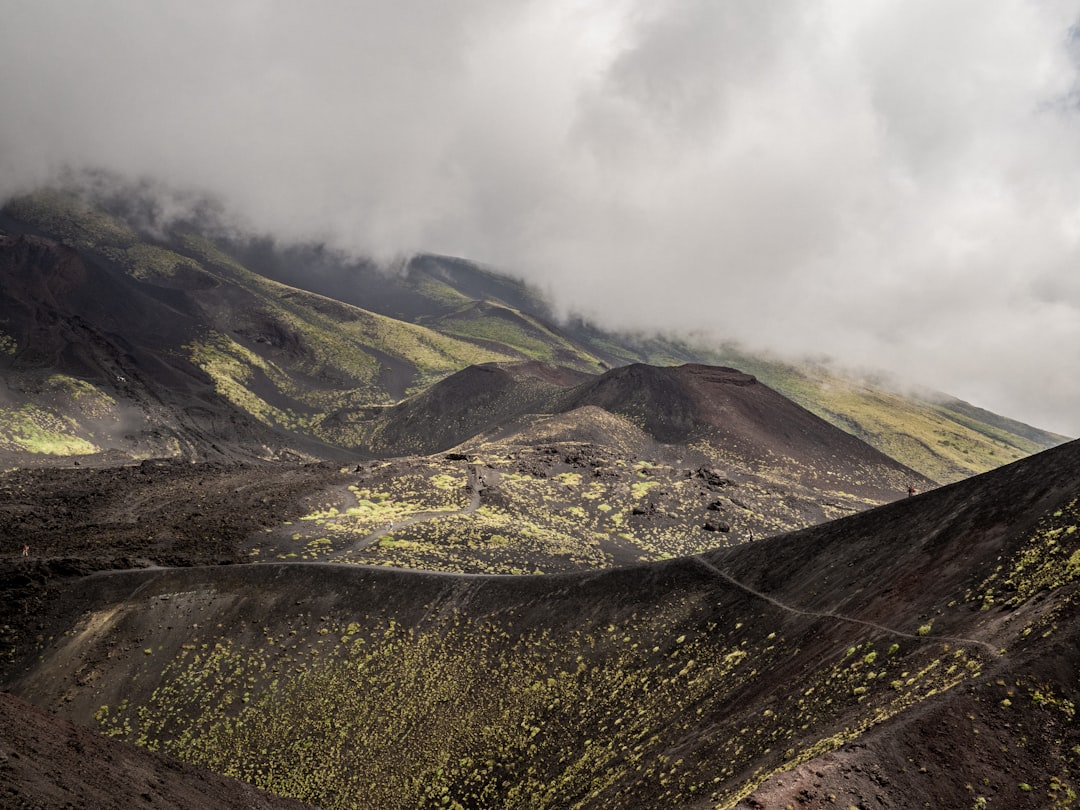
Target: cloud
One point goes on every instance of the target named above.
(893, 183)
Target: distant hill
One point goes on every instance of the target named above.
(940, 436)
(273, 351)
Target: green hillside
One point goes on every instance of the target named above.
(305, 340)
(941, 437)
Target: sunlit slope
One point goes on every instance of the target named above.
(938, 436)
(889, 637)
(943, 438)
(302, 339)
(287, 357)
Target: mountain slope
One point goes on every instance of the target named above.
(922, 653)
(91, 364)
(739, 416)
(233, 365)
(358, 335)
(942, 437)
(51, 763)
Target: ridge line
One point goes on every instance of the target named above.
(838, 616)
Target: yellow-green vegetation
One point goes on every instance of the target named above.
(342, 336)
(344, 532)
(943, 441)
(341, 344)
(505, 326)
(233, 367)
(327, 347)
(494, 541)
(71, 219)
(152, 262)
(32, 429)
(347, 711)
(89, 400)
(536, 525)
(433, 354)
(213, 256)
(440, 291)
(1049, 559)
(573, 515)
(8, 344)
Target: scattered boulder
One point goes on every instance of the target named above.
(713, 478)
(716, 526)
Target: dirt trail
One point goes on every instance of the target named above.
(994, 651)
(419, 517)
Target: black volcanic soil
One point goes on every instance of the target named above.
(745, 419)
(47, 763)
(164, 512)
(920, 654)
(157, 513)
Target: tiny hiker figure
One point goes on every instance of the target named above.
(910, 490)
(26, 550)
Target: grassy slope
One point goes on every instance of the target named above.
(945, 440)
(667, 685)
(339, 352)
(347, 356)
(504, 326)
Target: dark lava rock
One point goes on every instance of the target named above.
(714, 478)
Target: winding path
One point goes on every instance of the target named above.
(838, 616)
(420, 517)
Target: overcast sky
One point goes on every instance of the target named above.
(892, 183)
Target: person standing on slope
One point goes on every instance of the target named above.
(910, 490)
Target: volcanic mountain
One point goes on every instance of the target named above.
(266, 529)
(109, 359)
(922, 653)
(732, 411)
(125, 335)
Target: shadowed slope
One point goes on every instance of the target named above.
(745, 421)
(281, 369)
(455, 409)
(50, 763)
(684, 684)
(91, 365)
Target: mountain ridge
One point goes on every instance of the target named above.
(477, 316)
(398, 556)
(807, 665)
